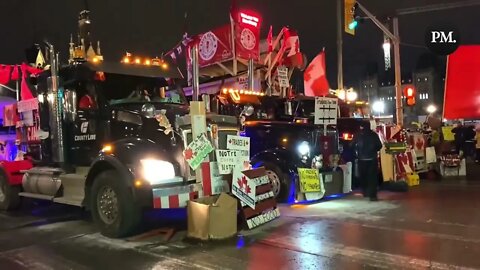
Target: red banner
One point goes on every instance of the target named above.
(214, 46)
(247, 37)
(462, 87)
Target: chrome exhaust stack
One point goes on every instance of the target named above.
(55, 104)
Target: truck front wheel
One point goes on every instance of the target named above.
(9, 199)
(281, 182)
(113, 207)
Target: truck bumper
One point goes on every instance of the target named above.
(177, 196)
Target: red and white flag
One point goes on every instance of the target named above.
(270, 39)
(291, 42)
(315, 77)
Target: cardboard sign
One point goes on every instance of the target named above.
(227, 160)
(326, 111)
(197, 150)
(265, 204)
(242, 145)
(310, 180)
(243, 187)
(27, 105)
(282, 73)
(448, 134)
(218, 184)
(238, 143)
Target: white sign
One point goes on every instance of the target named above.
(227, 160)
(282, 74)
(263, 218)
(238, 143)
(326, 111)
(244, 188)
(27, 105)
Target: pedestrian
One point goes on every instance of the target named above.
(367, 144)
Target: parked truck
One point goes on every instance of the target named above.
(116, 156)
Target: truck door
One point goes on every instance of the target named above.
(84, 136)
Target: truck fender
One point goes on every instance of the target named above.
(280, 157)
(12, 170)
(108, 162)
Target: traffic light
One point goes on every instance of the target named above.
(410, 93)
(351, 22)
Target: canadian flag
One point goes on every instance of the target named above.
(315, 77)
(270, 39)
(291, 41)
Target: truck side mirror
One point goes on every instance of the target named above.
(70, 105)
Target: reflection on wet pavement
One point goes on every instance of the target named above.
(434, 226)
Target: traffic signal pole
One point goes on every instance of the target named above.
(395, 37)
(339, 45)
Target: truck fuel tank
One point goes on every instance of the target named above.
(44, 181)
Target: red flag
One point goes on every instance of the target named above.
(315, 77)
(25, 92)
(291, 42)
(15, 73)
(5, 74)
(270, 39)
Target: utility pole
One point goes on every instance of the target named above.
(339, 45)
(395, 37)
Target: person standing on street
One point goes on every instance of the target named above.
(367, 144)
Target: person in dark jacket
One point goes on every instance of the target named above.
(367, 144)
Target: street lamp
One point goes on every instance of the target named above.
(431, 108)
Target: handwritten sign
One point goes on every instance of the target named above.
(282, 73)
(227, 160)
(310, 180)
(242, 145)
(448, 134)
(197, 150)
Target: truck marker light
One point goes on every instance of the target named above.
(284, 140)
(107, 148)
(138, 183)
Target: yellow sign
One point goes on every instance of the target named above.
(309, 180)
(448, 134)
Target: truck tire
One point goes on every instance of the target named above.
(9, 198)
(281, 182)
(113, 207)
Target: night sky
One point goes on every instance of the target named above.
(149, 27)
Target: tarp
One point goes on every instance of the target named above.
(462, 86)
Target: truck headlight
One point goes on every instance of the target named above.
(157, 171)
(303, 149)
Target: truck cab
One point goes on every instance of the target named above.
(111, 139)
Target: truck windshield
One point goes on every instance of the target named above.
(134, 89)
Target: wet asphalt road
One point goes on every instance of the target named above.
(434, 226)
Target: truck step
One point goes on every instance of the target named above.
(75, 201)
(43, 170)
(73, 187)
(36, 196)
